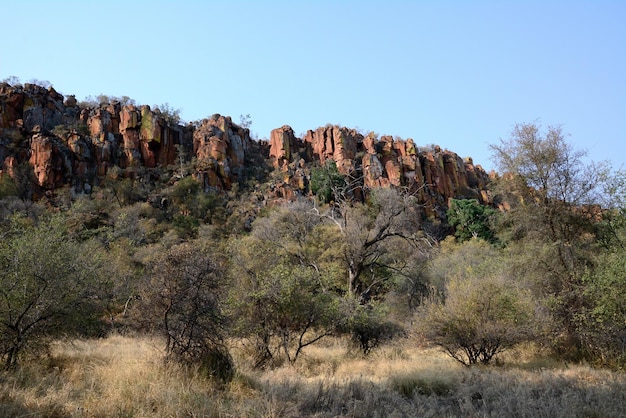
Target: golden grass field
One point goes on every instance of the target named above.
(126, 377)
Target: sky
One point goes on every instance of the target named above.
(459, 74)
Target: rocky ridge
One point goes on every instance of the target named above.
(433, 175)
(64, 143)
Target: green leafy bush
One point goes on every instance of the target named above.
(326, 181)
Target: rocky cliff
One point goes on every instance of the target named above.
(68, 144)
(433, 175)
(63, 143)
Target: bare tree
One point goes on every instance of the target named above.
(182, 299)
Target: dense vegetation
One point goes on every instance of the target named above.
(156, 254)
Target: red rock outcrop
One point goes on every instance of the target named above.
(67, 143)
(434, 176)
(50, 160)
(336, 143)
(221, 147)
(283, 144)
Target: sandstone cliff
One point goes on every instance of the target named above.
(70, 145)
(65, 143)
(434, 175)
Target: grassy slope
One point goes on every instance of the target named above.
(125, 377)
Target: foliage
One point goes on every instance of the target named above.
(369, 326)
(168, 113)
(603, 323)
(326, 181)
(41, 83)
(47, 280)
(191, 201)
(103, 99)
(552, 220)
(245, 121)
(470, 219)
(282, 307)
(63, 130)
(7, 187)
(372, 233)
(12, 81)
(339, 261)
(480, 317)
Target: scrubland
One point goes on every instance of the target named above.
(123, 376)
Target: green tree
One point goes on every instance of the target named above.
(46, 286)
(326, 181)
(369, 325)
(470, 219)
(283, 297)
(356, 253)
(603, 323)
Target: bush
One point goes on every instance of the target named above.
(182, 300)
(603, 323)
(470, 220)
(479, 318)
(369, 328)
(326, 181)
(47, 281)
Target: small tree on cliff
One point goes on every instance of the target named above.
(326, 180)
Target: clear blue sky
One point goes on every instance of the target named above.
(456, 73)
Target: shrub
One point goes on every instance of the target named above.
(471, 219)
(182, 300)
(369, 328)
(47, 281)
(325, 181)
(479, 318)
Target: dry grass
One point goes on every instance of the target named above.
(125, 377)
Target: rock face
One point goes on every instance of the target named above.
(434, 175)
(68, 144)
(222, 147)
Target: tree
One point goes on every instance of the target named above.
(46, 286)
(603, 323)
(280, 302)
(170, 114)
(552, 218)
(245, 121)
(325, 181)
(480, 313)
(182, 300)
(370, 233)
(369, 325)
(470, 219)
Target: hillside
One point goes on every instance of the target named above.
(243, 257)
(67, 143)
